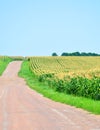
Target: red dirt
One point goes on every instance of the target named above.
(24, 109)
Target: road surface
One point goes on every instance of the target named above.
(24, 109)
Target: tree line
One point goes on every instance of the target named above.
(76, 54)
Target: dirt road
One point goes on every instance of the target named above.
(24, 109)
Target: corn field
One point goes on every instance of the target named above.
(79, 76)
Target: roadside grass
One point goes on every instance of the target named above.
(90, 105)
(4, 61)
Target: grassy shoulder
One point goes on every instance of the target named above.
(4, 61)
(79, 102)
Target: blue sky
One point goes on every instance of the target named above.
(41, 27)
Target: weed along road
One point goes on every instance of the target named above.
(24, 109)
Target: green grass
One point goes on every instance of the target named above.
(4, 61)
(79, 102)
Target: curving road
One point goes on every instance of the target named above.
(24, 109)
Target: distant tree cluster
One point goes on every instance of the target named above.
(79, 54)
(54, 54)
(76, 54)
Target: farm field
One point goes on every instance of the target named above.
(79, 76)
(66, 66)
